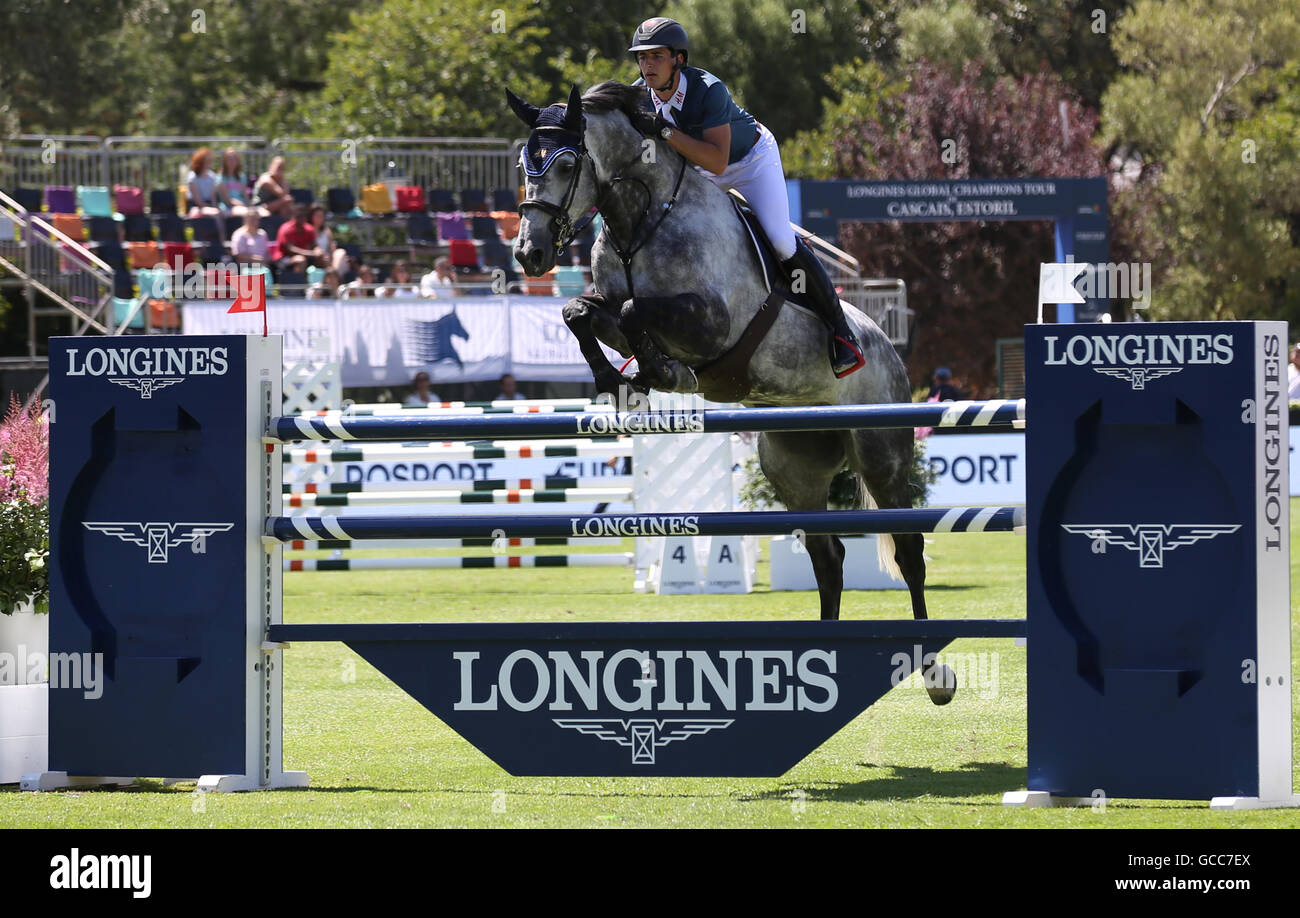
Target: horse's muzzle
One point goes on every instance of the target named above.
(533, 261)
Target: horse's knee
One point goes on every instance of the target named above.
(576, 311)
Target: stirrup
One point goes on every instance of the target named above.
(845, 368)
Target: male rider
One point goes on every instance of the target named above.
(696, 116)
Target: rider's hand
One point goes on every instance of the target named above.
(650, 125)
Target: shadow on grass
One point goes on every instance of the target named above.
(893, 782)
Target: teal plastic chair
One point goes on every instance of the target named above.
(154, 282)
(570, 280)
(122, 308)
(94, 201)
(265, 272)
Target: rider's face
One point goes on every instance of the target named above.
(656, 66)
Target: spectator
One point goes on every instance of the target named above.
(422, 396)
(509, 390)
(437, 284)
(327, 289)
(270, 192)
(250, 244)
(943, 390)
(399, 283)
(335, 257)
(1293, 374)
(297, 242)
(233, 186)
(201, 185)
(362, 285)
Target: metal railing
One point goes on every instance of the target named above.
(163, 162)
(77, 281)
(884, 300)
(149, 162)
(37, 160)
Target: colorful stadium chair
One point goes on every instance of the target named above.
(94, 201)
(128, 199)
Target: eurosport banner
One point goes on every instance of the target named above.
(976, 469)
(990, 468)
(385, 342)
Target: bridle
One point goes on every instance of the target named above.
(564, 230)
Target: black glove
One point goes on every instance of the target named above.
(649, 124)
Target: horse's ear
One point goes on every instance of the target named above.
(526, 113)
(573, 112)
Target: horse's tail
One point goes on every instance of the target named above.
(884, 541)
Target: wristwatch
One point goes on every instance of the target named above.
(666, 133)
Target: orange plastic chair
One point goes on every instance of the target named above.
(508, 222)
(144, 254)
(69, 225)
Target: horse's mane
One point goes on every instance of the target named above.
(614, 96)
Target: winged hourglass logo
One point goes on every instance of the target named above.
(1150, 541)
(643, 736)
(159, 537)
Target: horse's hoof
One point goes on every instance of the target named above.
(941, 683)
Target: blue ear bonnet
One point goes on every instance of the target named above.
(549, 139)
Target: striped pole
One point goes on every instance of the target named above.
(464, 410)
(998, 413)
(522, 496)
(520, 405)
(773, 522)
(548, 483)
(499, 542)
(395, 564)
(451, 452)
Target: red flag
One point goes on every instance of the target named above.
(251, 297)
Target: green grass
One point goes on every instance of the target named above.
(377, 758)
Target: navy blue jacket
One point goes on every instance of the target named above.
(706, 103)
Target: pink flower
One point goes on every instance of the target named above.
(24, 454)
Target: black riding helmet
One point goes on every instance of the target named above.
(660, 32)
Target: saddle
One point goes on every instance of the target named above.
(773, 274)
(726, 379)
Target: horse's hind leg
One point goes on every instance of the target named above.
(883, 459)
(800, 467)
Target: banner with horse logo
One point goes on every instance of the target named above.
(385, 342)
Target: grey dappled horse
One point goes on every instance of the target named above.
(697, 285)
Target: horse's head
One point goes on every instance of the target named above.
(559, 181)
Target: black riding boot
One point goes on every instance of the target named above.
(846, 353)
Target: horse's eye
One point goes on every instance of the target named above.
(564, 167)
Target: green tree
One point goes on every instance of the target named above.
(1216, 124)
(861, 92)
(947, 33)
(775, 57)
(54, 76)
(432, 68)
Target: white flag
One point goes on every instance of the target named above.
(1056, 284)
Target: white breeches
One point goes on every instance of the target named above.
(760, 177)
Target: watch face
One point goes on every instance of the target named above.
(666, 133)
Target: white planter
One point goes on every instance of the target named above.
(24, 647)
(24, 695)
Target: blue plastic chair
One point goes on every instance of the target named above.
(94, 201)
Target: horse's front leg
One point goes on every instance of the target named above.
(591, 322)
(688, 327)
